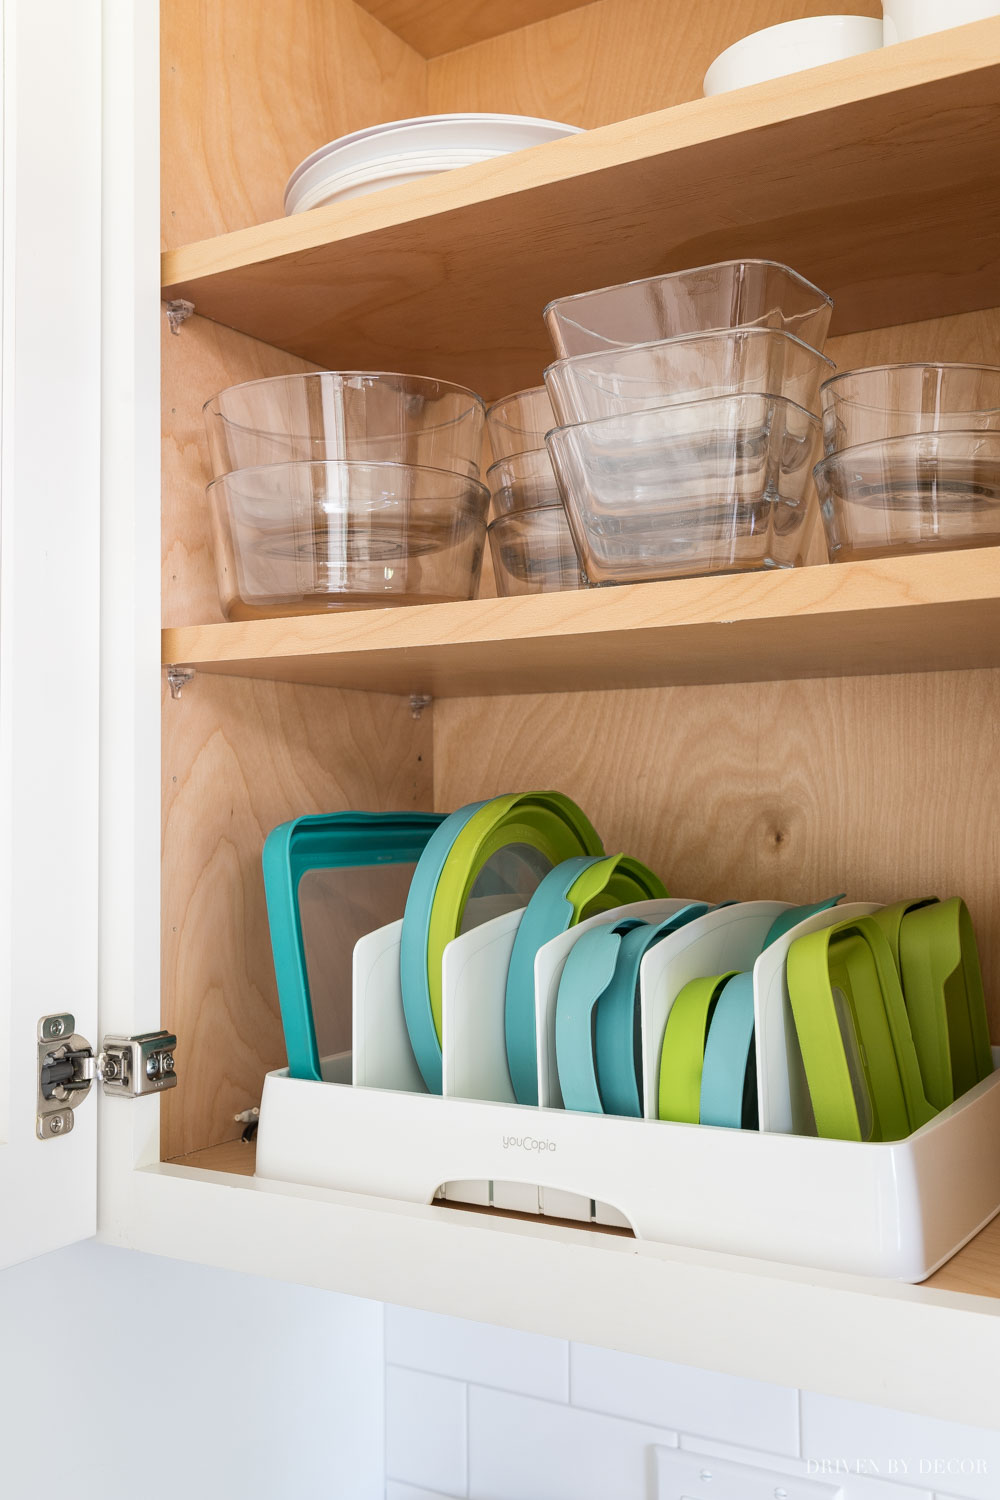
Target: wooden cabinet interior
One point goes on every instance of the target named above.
(885, 786)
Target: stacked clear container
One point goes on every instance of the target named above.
(688, 406)
(912, 460)
(530, 540)
(345, 490)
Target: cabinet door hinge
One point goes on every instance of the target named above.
(127, 1066)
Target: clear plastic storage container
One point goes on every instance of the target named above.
(534, 553)
(374, 417)
(730, 294)
(306, 537)
(929, 492)
(723, 485)
(727, 362)
(888, 401)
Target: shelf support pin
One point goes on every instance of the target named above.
(418, 702)
(178, 312)
(178, 677)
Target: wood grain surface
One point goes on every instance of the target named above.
(238, 758)
(249, 88)
(974, 1270)
(874, 177)
(238, 1157)
(883, 787)
(436, 26)
(197, 362)
(607, 61)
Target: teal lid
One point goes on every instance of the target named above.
(323, 841)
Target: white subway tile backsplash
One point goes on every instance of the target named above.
(494, 1414)
(425, 1430)
(524, 1449)
(689, 1400)
(525, 1362)
(849, 1486)
(923, 1450)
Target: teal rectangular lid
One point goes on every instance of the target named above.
(323, 841)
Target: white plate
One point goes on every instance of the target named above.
(392, 172)
(441, 141)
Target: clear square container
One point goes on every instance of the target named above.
(715, 486)
(730, 294)
(926, 492)
(727, 362)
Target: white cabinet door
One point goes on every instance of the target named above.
(50, 460)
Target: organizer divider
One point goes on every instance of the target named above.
(383, 1056)
(474, 1051)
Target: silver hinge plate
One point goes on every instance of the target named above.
(127, 1066)
(130, 1066)
(66, 1068)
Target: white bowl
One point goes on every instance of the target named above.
(790, 47)
(904, 19)
(403, 150)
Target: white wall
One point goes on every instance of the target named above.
(497, 1415)
(208, 1385)
(127, 1374)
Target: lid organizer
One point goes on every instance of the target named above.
(344, 840)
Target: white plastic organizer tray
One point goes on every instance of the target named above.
(897, 1210)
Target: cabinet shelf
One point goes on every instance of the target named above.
(872, 176)
(910, 614)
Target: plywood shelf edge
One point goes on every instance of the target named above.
(933, 612)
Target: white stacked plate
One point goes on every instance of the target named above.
(403, 150)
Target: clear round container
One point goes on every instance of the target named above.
(730, 294)
(518, 423)
(727, 362)
(926, 492)
(304, 538)
(524, 482)
(887, 401)
(533, 552)
(715, 486)
(369, 416)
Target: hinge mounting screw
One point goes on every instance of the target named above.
(418, 702)
(178, 312)
(178, 677)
